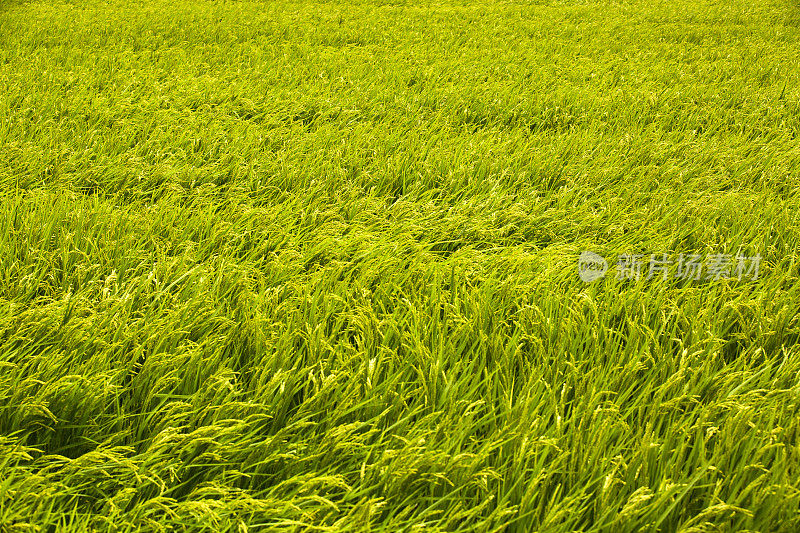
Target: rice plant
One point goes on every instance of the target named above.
(308, 266)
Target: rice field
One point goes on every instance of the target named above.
(388, 266)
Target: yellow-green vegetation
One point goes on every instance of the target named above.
(312, 266)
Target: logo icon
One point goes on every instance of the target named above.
(591, 266)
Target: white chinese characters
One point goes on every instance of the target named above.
(712, 266)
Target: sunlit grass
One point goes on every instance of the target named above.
(294, 266)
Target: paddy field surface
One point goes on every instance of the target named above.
(316, 266)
